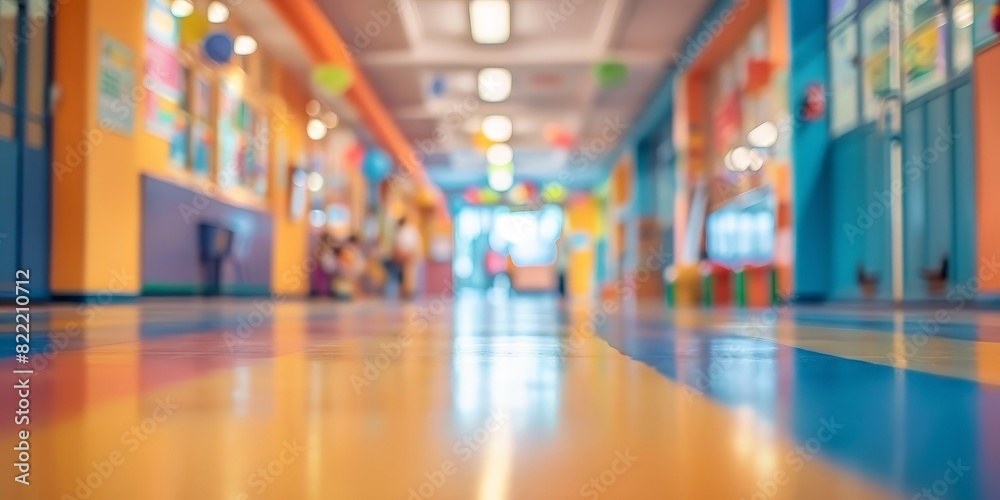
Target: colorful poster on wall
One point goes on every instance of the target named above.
(161, 25)
(844, 79)
(160, 117)
(875, 54)
(924, 60)
(116, 83)
(163, 71)
(201, 148)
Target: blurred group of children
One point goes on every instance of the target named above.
(349, 269)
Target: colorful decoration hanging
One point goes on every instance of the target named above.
(814, 104)
(333, 78)
(610, 73)
(354, 155)
(218, 47)
(193, 28)
(558, 137)
(377, 165)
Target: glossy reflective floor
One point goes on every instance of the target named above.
(505, 398)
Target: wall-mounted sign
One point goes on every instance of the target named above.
(116, 85)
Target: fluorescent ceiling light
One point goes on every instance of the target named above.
(315, 182)
(490, 21)
(217, 12)
(501, 180)
(498, 128)
(494, 84)
(316, 129)
(244, 45)
(499, 154)
(181, 8)
(764, 136)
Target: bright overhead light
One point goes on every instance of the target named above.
(490, 21)
(499, 154)
(315, 182)
(313, 108)
(316, 129)
(756, 159)
(501, 179)
(498, 128)
(317, 218)
(244, 45)
(181, 8)
(494, 84)
(330, 119)
(217, 13)
(739, 159)
(764, 136)
(964, 15)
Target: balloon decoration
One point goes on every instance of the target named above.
(193, 28)
(219, 47)
(354, 155)
(333, 78)
(377, 165)
(610, 74)
(558, 137)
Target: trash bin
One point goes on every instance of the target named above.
(216, 245)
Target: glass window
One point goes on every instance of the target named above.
(840, 8)
(844, 78)
(875, 55)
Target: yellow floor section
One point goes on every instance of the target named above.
(370, 404)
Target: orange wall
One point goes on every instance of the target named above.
(987, 74)
(96, 233)
(583, 215)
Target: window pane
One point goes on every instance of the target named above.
(38, 42)
(8, 52)
(844, 79)
(924, 50)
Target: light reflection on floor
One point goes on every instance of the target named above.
(491, 397)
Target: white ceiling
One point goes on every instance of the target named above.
(553, 47)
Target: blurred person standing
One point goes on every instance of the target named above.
(406, 255)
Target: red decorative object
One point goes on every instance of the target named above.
(354, 155)
(758, 75)
(996, 17)
(814, 104)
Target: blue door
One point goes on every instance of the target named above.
(25, 176)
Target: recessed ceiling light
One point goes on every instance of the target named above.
(499, 154)
(217, 12)
(316, 129)
(501, 179)
(315, 181)
(490, 21)
(498, 128)
(764, 136)
(244, 45)
(494, 84)
(181, 8)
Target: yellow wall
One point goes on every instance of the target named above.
(583, 215)
(96, 226)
